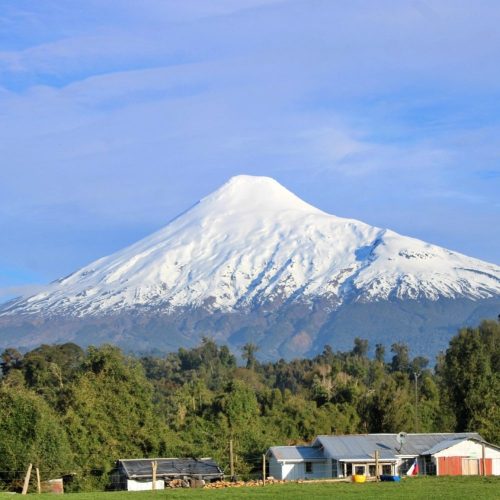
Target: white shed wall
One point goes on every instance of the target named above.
(133, 485)
(495, 467)
(471, 449)
(275, 469)
(292, 471)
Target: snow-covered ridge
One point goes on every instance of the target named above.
(252, 242)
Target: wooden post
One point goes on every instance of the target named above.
(27, 480)
(154, 466)
(38, 483)
(484, 458)
(416, 374)
(264, 469)
(377, 475)
(231, 459)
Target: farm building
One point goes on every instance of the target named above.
(297, 462)
(464, 457)
(343, 456)
(137, 474)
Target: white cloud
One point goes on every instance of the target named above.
(349, 153)
(118, 117)
(11, 292)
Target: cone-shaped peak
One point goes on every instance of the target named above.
(249, 193)
(254, 248)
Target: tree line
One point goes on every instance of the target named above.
(74, 412)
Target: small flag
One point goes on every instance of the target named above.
(413, 470)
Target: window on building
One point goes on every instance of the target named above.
(371, 470)
(387, 469)
(359, 470)
(309, 467)
(348, 469)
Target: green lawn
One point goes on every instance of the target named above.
(432, 488)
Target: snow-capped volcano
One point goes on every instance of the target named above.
(252, 243)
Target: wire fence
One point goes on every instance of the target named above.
(104, 480)
(54, 481)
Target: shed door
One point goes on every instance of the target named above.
(470, 466)
(450, 466)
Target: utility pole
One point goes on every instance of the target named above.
(484, 458)
(416, 375)
(231, 459)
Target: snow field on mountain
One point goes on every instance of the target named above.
(253, 242)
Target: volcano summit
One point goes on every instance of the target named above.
(253, 262)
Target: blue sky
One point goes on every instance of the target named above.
(117, 115)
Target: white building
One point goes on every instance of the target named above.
(296, 462)
(464, 458)
(343, 456)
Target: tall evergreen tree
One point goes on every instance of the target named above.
(470, 378)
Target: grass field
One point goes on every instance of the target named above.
(432, 488)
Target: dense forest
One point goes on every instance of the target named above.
(74, 412)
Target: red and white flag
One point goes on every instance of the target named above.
(413, 470)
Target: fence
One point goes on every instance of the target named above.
(40, 480)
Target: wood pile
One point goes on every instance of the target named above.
(242, 484)
(178, 483)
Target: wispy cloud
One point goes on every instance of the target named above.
(348, 153)
(12, 292)
(114, 117)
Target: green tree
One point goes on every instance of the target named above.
(380, 353)
(110, 413)
(419, 364)
(237, 410)
(249, 350)
(30, 432)
(390, 408)
(470, 379)
(401, 359)
(9, 359)
(360, 347)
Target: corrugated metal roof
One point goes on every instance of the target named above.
(362, 447)
(297, 453)
(169, 467)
